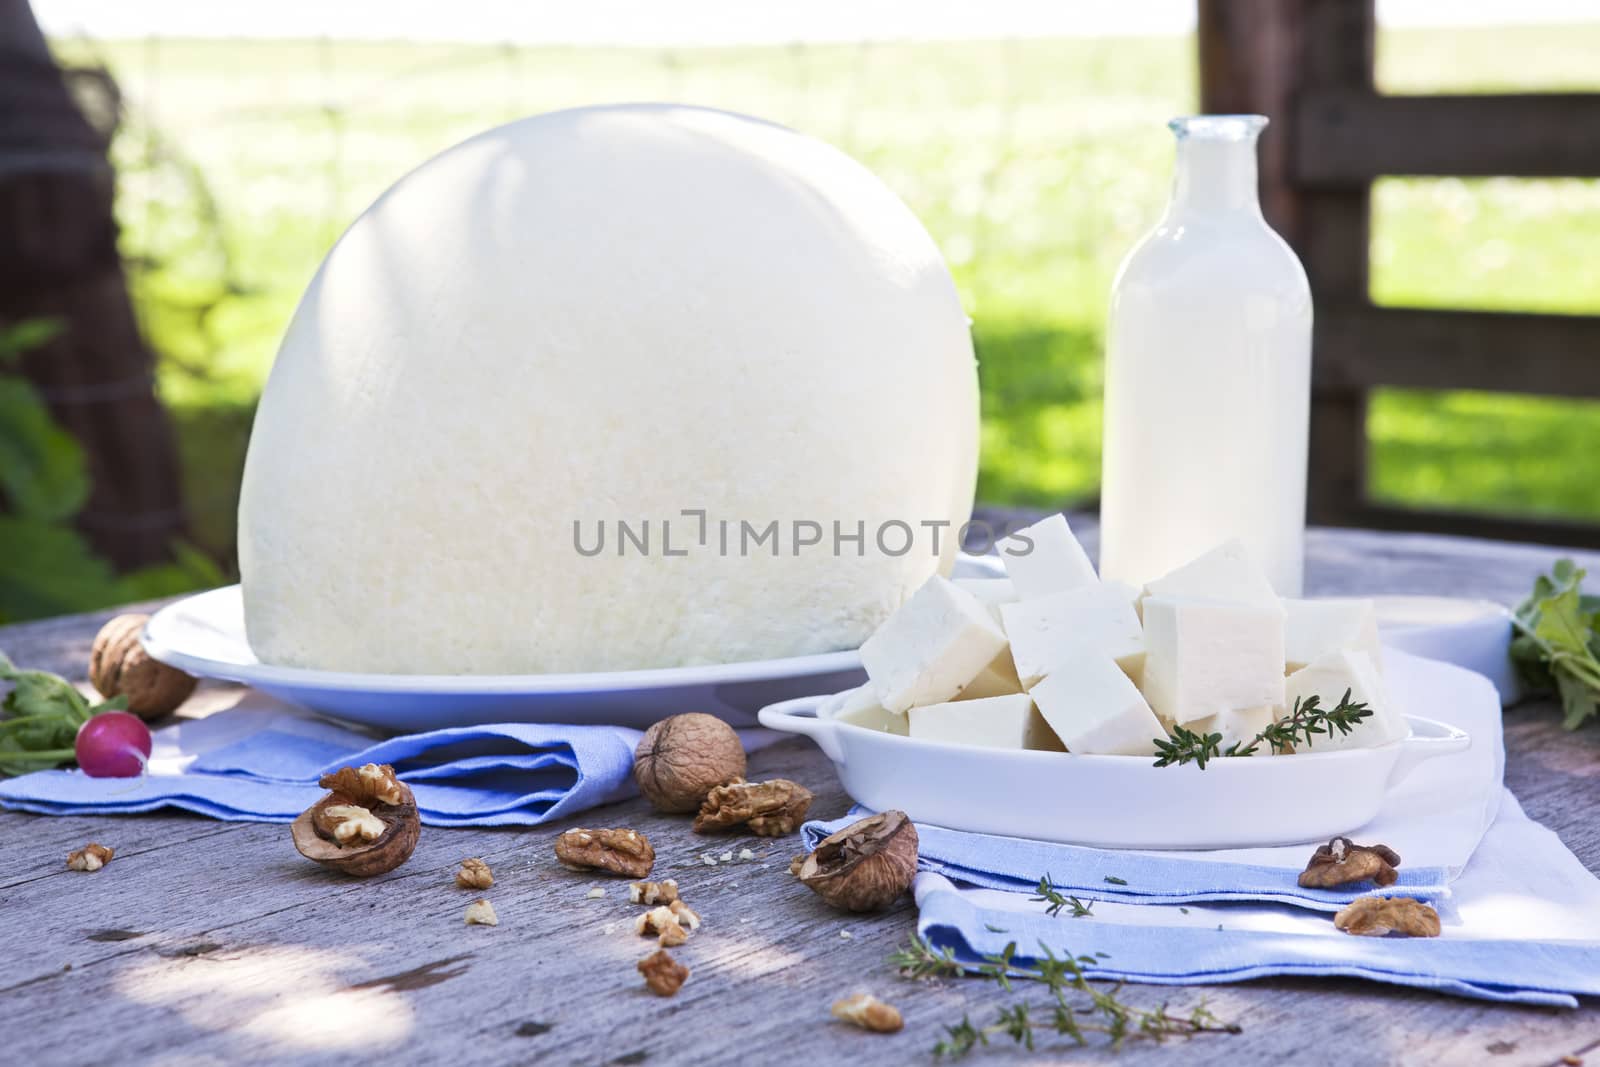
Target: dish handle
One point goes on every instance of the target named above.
(800, 716)
(1429, 738)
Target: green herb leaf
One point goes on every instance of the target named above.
(1304, 724)
(1077, 1007)
(1556, 641)
(1186, 746)
(1046, 893)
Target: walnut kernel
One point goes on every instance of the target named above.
(481, 913)
(90, 857)
(663, 974)
(371, 783)
(1378, 916)
(672, 936)
(1343, 862)
(685, 914)
(681, 759)
(119, 666)
(662, 892)
(869, 1013)
(474, 874)
(770, 809)
(625, 852)
(866, 865)
(652, 922)
(349, 824)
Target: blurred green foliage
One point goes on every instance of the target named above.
(1035, 164)
(47, 567)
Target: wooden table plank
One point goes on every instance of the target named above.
(247, 951)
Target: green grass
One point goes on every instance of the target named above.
(1036, 165)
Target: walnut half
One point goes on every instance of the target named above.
(865, 866)
(625, 852)
(663, 974)
(1378, 916)
(770, 809)
(367, 823)
(1343, 862)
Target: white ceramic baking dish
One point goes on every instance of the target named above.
(1114, 801)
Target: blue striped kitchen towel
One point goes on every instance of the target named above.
(1521, 925)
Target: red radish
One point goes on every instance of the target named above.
(113, 744)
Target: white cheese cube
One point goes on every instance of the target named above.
(1045, 558)
(1313, 628)
(1047, 631)
(998, 679)
(1327, 678)
(874, 717)
(1238, 727)
(990, 592)
(1226, 573)
(858, 699)
(995, 722)
(931, 647)
(1203, 657)
(1095, 710)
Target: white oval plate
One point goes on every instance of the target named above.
(1475, 634)
(204, 635)
(1114, 801)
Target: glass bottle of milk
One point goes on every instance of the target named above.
(1208, 374)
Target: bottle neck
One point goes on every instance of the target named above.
(1215, 176)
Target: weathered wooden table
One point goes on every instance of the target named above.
(207, 942)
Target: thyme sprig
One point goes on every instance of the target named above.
(1077, 1008)
(1046, 893)
(1308, 721)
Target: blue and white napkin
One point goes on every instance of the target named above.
(260, 762)
(1435, 819)
(1521, 925)
(1520, 914)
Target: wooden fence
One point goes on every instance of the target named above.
(1308, 64)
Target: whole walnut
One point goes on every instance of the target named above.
(681, 759)
(119, 666)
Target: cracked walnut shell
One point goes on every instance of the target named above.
(681, 759)
(770, 809)
(90, 857)
(474, 874)
(119, 666)
(1343, 862)
(625, 852)
(366, 825)
(1379, 916)
(865, 866)
(663, 974)
(869, 1013)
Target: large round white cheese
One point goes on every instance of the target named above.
(602, 316)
